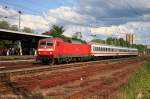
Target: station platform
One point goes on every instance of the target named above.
(24, 57)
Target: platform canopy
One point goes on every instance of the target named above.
(16, 35)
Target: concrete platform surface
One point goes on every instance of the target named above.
(24, 57)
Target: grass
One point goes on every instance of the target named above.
(138, 86)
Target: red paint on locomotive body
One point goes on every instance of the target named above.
(57, 48)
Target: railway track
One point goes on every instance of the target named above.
(7, 73)
(10, 86)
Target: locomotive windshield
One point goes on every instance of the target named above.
(46, 43)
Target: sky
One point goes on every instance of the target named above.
(103, 18)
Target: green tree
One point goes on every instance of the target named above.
(28, 30)
(4, 25)
(140, 47)
(98, 41)
(14, 27)
(111, 41)
(121, 42)
(127, 44)
(117, 42)
(55, 31)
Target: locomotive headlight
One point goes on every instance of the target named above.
(40, 49)
(50, 52)
(50, 49)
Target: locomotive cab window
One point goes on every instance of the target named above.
(43, 43)
(46, 44)
(49, 44)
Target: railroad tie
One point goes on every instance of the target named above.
(4, 77)
(2, 68)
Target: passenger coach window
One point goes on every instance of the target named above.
(93, 48)
(111, 50)
(99, 49)
(103, 49)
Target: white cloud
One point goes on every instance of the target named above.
(34, 22)
(7, 12)
(67, 15)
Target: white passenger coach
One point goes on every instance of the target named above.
(109, 50)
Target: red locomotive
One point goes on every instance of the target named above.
(51, 50)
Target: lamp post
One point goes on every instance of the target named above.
(19, 19)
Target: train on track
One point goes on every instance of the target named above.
(57, 50)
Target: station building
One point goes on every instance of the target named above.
(25, 42)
